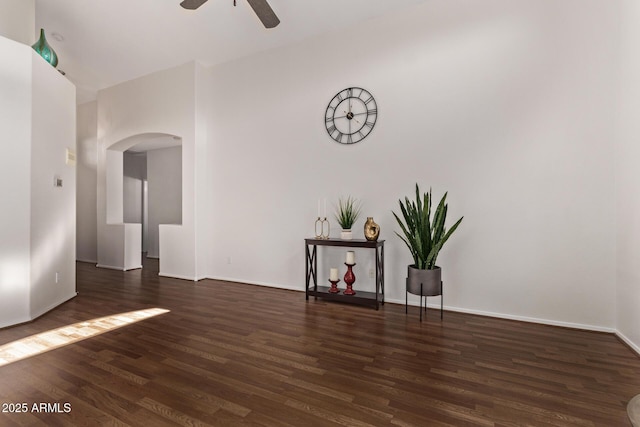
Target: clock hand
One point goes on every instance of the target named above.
(348, 115)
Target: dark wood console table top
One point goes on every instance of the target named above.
(371, 299)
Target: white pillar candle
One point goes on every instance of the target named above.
(351, 257)
(333, 274)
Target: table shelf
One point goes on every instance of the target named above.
(371, 299)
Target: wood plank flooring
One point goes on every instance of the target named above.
(230, 354)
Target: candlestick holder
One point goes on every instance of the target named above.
(318, 224)
(319, 228)
(349, 279)
(334, 286)
(325, 221)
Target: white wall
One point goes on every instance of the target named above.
(162, 103)
(17, 20)
(135, 173)
(53, 209)
(119, 244)
(133, 246)
(114, 187)
(135, 164)
(203, 197)
(15, 181)
(37, 248)
(132, 200)
(164, 178)
(628, 180)
(87, 234)
(506, 105)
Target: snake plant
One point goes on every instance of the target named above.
(423, 234)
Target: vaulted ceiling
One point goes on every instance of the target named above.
(101, 43)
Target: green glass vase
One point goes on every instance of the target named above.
(44, 50)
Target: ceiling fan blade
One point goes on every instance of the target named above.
(264, 12)
(192, 4)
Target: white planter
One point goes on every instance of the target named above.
(346, 235)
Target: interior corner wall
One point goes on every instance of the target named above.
(135, 173)
(628, 180)
(135, 165)
(164, 179)
(506, 105)
(53, 207)
(17, 20)
(114, 187)
(87, 136)
(162, 102)
(203, 196)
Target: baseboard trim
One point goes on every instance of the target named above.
(178, 276)
(628, 342)
(515, 317)
(189, 278)
(247, 282)
(50, 307)
(569, 325)
(110, 267)
(89, 261)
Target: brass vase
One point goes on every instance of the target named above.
(371, 230)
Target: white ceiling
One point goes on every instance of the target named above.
(110, 41)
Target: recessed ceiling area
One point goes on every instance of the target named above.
(146, 142)
(155, 144)
(108, 42)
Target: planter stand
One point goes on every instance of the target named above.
(406, 302)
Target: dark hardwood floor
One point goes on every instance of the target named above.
(234, 354)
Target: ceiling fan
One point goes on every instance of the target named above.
(260, 7)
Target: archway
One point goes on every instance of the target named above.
(144, 193)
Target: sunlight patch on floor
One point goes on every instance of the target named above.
(55, 338)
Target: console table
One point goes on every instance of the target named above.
(372, 299)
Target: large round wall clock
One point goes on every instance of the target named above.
(351, 115)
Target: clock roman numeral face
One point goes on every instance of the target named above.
(351, 115)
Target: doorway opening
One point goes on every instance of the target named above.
(151, 173)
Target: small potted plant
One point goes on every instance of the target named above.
(347, 214)
(424, 235)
